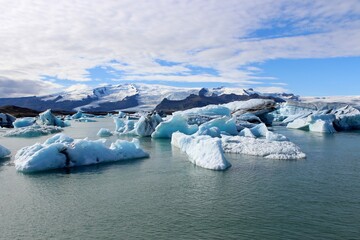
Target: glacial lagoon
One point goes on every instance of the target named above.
(167, 197)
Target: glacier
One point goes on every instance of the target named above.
(61, 151)
(203, 151)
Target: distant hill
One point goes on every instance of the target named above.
(136, 97)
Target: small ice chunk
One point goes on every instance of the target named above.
(4, 152)
(175, 123)
(203, 151)
(24, 122)
(104, 132)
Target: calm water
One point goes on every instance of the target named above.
(166, 197)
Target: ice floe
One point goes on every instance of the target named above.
(61, 151)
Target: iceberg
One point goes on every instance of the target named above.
(210, 110)
(176, 123)
(212, 131)
(124, 126)
(49, 119)
(32, 131)
(104, 132)
(85, 119)
(147, 125)
(77, 115)
(6, 120)
(4, 152)
(24, 122)
(261, 131)
(203, 151)
(254, 106)
(224, 124)
(61, 151)
(261, 147)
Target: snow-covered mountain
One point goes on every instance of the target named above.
(133, 97)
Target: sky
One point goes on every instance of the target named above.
(307, 47)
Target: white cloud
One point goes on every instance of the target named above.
(64, 38)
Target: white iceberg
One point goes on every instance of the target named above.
(203, 151)
(261, 147)
(32, 131)
(60, 152)
(24, 122)
(4, 152)
(104, 132)
(176, 123)
(49, 119)
(300, 123)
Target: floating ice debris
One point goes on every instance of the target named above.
(176, 123)
(261, 147)
(4, 152)
(32, 131)
(61, 151)
(49, 119)
(24, 122)
(104, 132)
(203, 151)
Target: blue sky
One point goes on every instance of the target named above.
(306, 47)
